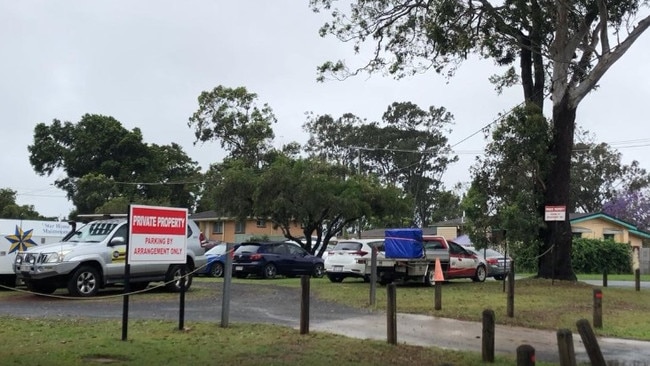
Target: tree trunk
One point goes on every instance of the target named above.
(555, 252)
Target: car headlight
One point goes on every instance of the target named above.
(55, 257)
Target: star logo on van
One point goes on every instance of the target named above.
(21, 240)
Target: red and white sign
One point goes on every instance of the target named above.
(157, 234)
(554, 213)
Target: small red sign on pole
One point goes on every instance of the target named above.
(554, 213)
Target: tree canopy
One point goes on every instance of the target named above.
(9, 209)
(255, 180)
(407, 148)
(103, 161)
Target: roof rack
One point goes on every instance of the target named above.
(92, 217)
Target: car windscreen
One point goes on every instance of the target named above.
(217, 250)
(93, 232)
(348, 245)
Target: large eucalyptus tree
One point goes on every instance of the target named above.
(562, 48)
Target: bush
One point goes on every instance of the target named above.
(525, 256)
(593, 256)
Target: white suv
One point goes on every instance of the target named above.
(93, 257)
(349, 257)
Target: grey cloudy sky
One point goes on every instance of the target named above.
(145, 62)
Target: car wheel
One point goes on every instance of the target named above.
(335, 278)
(40, 287)
(217, 269)
(430, 278)
(269, 271)
(174, 276)
(319, 270)
(84, 282)
(481, 274)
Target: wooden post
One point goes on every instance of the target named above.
(605, 277)
(304, 305)
(598, 308)
(565, 346)
(487, 348)
(391, 314)
(438, 296)
(637, 279)
(525, 355)
(511, 291)
(373, 276)
(591, 343)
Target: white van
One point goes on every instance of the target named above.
(18, 235)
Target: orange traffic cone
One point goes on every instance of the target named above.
(437, 274)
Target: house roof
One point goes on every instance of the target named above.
(632, 229)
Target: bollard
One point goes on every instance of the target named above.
(525, 355)
(304, 304)
(391, 314)
(637, 279)
(438, 296)
(511, 291)
(565, 347)
(487, 348)
(590, 342)
(598, 308)
(605, 277)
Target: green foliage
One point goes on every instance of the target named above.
(525, 255)
(9, 209)
(507, 187)
(232, 117)
(594, 256)
(598, 175)
(322, 198)
(103, 161)
(407, 149)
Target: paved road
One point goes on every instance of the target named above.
(280, 305)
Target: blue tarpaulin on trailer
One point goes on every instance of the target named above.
(403, 243)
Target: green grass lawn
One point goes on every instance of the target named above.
(539, 304)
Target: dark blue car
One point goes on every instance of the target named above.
(268, 259)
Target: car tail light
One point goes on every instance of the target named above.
(202, 238)
(255, 257)
(360, 253)
(493, 261)
(361, 260)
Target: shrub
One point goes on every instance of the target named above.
(594, 256)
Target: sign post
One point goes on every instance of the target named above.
(555, 214)
(156, 235)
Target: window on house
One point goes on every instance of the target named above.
(261, 223)
(240, 227)
(217, 227)
(608, 236)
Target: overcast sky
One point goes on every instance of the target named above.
(145, 63)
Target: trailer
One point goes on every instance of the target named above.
(18, 235)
